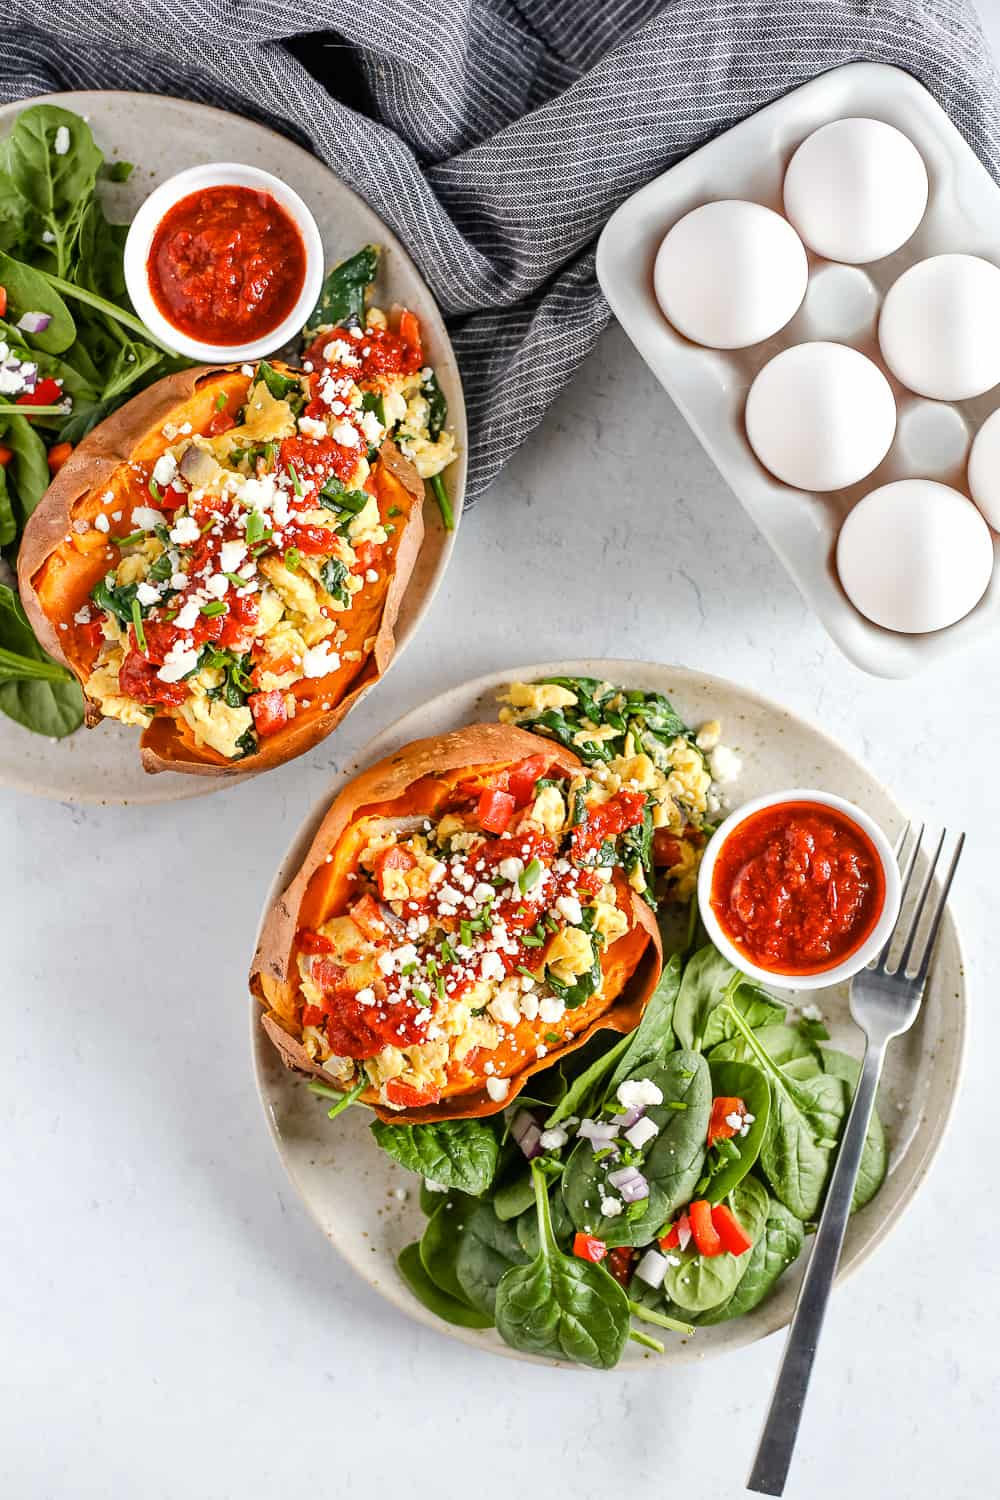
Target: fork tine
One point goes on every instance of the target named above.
(918, 910)
(932, 935)
(906, 876)
(901, 842)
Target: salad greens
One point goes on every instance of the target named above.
(65, 317)
(550, 1252)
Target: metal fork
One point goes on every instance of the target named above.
(884, 1003)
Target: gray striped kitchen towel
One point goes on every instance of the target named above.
(497, 136)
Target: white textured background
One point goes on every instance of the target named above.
(173, 1326)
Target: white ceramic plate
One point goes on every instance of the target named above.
(162, 136)
(842, 303)
(350, 1187)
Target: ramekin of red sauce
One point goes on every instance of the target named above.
(224, 262)
(799, 889)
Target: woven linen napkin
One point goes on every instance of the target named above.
(497, 136)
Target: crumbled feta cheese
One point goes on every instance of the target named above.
(492, 966)
(497, 1088)
(639, 1093)
(611, 1207)
(554, 1139)
(724, 765)
(365, 996)
(217, 586)
(147, 518)
(179, 661)
(346, 435)
(231, 555)
(569, 907)
(184, 530)
(510, 868)
(102, 523)
(147, 593)
(165, 469)
(312, 427)
(552, 1009)
(61, 142)
(812, 1013)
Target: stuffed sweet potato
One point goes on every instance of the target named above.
(457, 924)
(221, 562)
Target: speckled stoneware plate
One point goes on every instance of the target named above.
(162, 136)
(351, 1188)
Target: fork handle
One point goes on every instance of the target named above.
(777, 1442)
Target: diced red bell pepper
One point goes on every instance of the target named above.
(719, 1128)
(671, 1240)
(666, 849)
(6, 454)
(313, 1015)
(58, 455)
(90, 635)
(221, 421)
(366, 915)
(522, 777)
(3, 301)
(731, 1233)
(409, 1097)
(495, 810)
(620, 1263)
(589, 1247)
(47, 392)
(314, 942)
(409, 329)
(705, 1235)
(269, 711)
(394, 858)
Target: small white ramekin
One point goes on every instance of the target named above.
(849, 966)
(147, 221)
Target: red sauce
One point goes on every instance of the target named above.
(226, 265)
(797, 888)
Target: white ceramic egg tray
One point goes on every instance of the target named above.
(842, 304)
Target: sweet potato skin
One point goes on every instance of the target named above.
(54, 576)
(410, 774)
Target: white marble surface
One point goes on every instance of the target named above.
(174, 1327)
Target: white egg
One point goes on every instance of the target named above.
(820, 416)
(940, 327)
(856, 190)
(984, 470)
(730, 274)
(914, 556)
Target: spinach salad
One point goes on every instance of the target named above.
(644, 1185)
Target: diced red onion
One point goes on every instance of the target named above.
(652, 1268)
(395, 924)
(683, 1232)
(630, 1183)
(29, 374)
(598, 1132)
(34, 322)
(629, 1117)
(527, 1133)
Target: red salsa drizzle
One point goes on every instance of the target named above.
(797, 888)
(226, 265)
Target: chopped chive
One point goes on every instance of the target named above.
(140, 634)
(221, 400)
(676, 1104)
(530, 877)
(465, 933)
(395, 510)
(421, 996)
(217, 607)
(293, 559)
(236, 581)
(444, 504)
(154, 489)
(552, 1036)
(408, 969)
(127, 541)
(530, 941)
(296, 481)
(523, 969)
(255, 526)
(439, 986)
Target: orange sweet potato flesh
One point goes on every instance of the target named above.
(420, 778)
(61, 560)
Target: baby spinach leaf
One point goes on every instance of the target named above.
(699, 1282)
(28, 469)
(783, 1044)
(487, 1249)
(440, 1241)
(754, 1004)
(55, 184)
(456, 1153)
(437, 406)
(708, 980)
(560, 1306)
(587, 1088)
(35, 691)
(733, 1080)
(875, 1154)
(805, 1122)
(412, 1270)
(773, 1252)
(8, 523)
(672, 1162)
(342, 300)
(526, 1226)
(29, 291)
(653, 1038)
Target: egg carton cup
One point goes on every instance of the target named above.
(842, 304)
